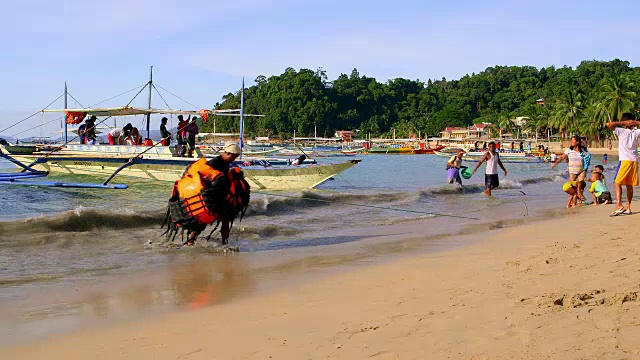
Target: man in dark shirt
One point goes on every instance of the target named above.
(221, 163)
(90, 131)
(191, 131)
(81, 131)
(164, 133)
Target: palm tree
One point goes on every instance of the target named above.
(568, 112)
(505, 124)
(593, 123)
(616, 97)
(539, 119)
(613, 98)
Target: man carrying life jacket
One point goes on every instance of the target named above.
(209, 191)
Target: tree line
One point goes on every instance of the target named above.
(579, 100)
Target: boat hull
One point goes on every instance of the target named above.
(391, 151)
(170, 170)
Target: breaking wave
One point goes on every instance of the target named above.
(81, 220)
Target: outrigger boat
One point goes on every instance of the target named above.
(159, 162)
(476, 156)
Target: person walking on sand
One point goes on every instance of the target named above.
(627, 173)
(491, 180)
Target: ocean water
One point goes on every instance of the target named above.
(53, 240)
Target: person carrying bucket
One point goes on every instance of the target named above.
(454, 167)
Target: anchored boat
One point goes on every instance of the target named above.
(158, 162)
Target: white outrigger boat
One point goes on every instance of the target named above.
(157, 162)
(476, 156)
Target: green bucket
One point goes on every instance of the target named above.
(466, 173)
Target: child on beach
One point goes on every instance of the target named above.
(604, 158)
(599, 189)
(600, 169)
(571, 188)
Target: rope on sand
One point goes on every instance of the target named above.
(369, 206)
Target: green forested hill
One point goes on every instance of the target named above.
(577, 100)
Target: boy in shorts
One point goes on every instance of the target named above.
(599, 189)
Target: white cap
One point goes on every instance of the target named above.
(232, 148)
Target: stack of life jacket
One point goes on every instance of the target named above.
(203, 196)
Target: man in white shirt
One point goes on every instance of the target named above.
(491, 180)
(627, 173)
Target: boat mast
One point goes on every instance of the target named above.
(66, 139)
(150, 85)
(241, 142)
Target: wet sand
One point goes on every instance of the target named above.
(566, 288)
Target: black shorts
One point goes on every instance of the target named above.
(491, 181)
(605, 196)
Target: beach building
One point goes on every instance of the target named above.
(346, 136)
(475, 131)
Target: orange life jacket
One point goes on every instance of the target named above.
(203, 196)
(189, 190)
(239, 190)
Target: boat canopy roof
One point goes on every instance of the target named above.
(128, 110)
(122, 111)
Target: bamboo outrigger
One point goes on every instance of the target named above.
(156, 162)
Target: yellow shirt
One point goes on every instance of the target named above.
(568, 185)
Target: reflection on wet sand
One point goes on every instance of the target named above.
(204, 282)
(196, 282)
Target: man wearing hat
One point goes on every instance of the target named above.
(229, 154)
(221, 163)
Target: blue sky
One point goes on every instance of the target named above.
(201, 49)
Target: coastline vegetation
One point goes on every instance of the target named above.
(579, 100)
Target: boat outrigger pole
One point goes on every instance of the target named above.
(241, 142)
(66, 139)
(150, 85)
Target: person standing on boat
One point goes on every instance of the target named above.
(181, 148)
(90, 131)
(453, 168)
(164, 133)
(491, 180)
(191, 131)
(81, 131)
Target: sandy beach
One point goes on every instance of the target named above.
(559, 289)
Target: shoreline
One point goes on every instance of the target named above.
(116, 299)
(515, 293)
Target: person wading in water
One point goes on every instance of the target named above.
(491, 180)
(209, 191)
